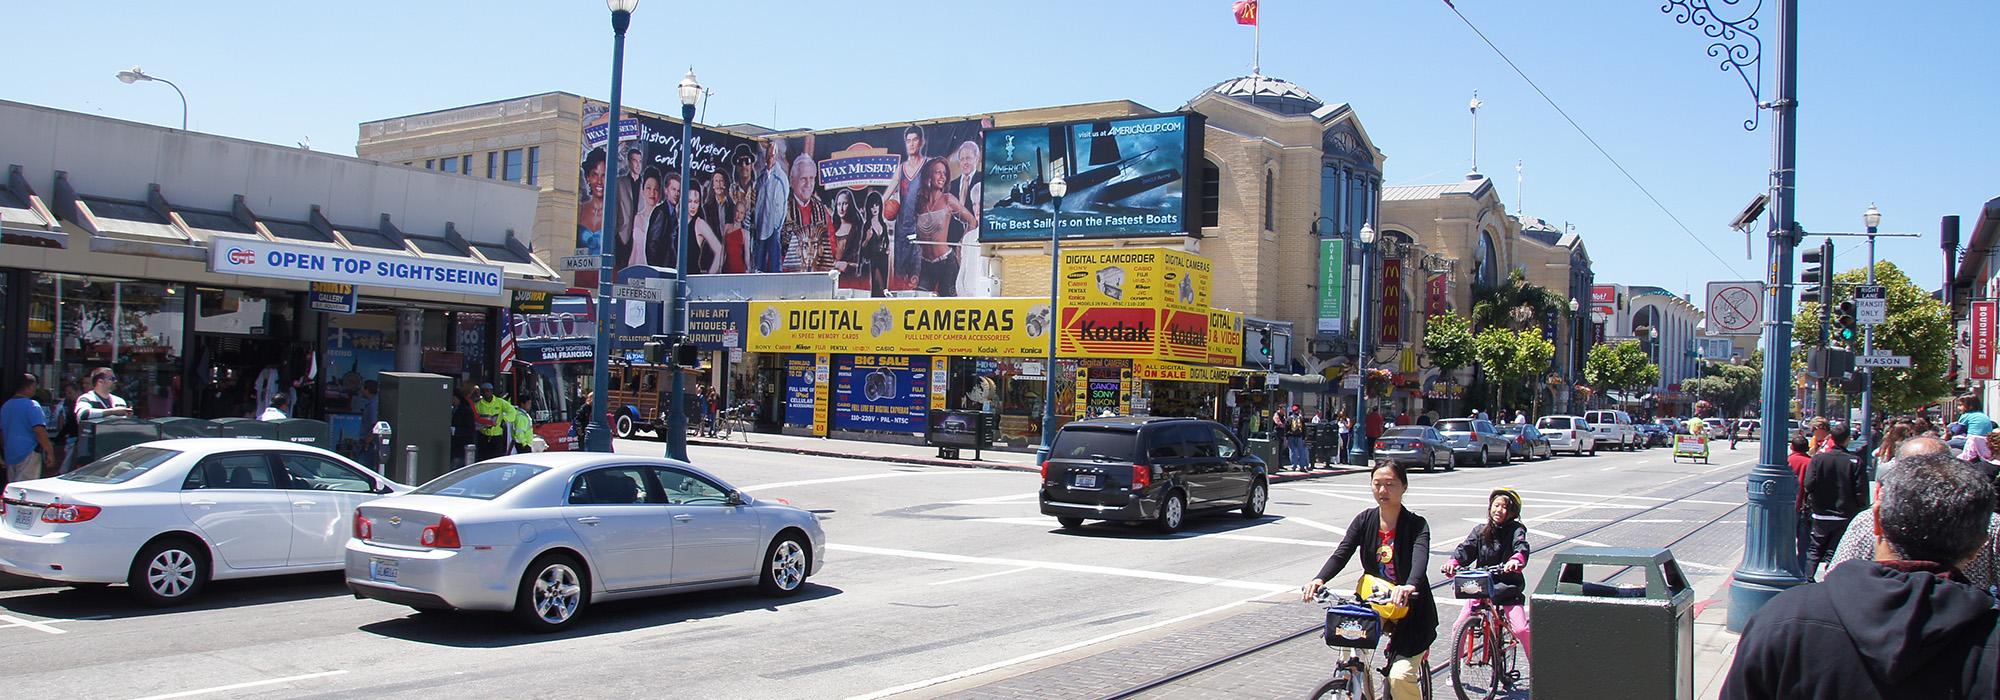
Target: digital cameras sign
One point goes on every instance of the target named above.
(1126, 177)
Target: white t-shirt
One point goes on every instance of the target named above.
(272, 413)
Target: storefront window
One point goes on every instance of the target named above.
(243, 353)
(77, 323)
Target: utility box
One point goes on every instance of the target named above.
(1594, 640)
(417, 406)
(247, 428)
(304, 431)
(183, 427)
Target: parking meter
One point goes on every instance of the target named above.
(382, 449)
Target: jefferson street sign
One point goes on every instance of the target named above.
(637, 293)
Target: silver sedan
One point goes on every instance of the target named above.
(543, 536)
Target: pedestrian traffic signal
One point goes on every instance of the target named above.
(687, 354)
(657, 348)
(1843, 322)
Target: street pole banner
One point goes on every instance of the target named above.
(1982, 339)
(1332, 284)
(1391, 301)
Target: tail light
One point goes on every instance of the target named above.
(1381, 445)
(1045, 470)
(363, 527)
(1142, 476)
(69, 513)
(443, 535)
(1521, 439)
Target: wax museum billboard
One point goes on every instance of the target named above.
(725, 173)
(1126, 177)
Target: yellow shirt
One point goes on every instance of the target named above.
(493, 414)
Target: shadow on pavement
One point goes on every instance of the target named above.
(479, 630)
(1216, 523)
(115, 602)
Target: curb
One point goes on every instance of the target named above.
(924, 461)
(1278, 478)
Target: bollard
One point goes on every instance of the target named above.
(410, 464)
(470, 455)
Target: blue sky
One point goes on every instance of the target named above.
(1893, 108)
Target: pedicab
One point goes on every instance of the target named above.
(1691, 446)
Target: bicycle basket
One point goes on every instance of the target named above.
(1352, 626)
(1473, 584)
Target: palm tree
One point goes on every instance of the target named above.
(1515, 303)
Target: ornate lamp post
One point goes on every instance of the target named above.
(1057, 188)
(1357, 452)
(597, 435)
(690, 91)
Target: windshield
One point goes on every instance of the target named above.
(1454, 426)
(1085, 443)
(1512, 429)
(1553, 424)
(481, 481)
(122, 466)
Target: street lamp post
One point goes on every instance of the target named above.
(1358, 447)
(136, 75)
(1057, 188)
(1872, 218)
(1569, 356)
(677, 444)
(597, 434)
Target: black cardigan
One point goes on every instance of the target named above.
(1415, 632)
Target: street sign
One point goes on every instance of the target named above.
(1735, 308)
(1871, 305)
(1271, 380)
(1882, 361)
(573, 263)
(637, 293)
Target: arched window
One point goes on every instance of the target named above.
(1270, 199)
(1485, 267)
(1211, 194)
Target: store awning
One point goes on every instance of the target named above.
(24, 219)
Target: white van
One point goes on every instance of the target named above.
(1613, 429)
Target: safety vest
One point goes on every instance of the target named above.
(522, 427)
(492, 414)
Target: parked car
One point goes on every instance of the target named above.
(544, 536)
(1654, 435)
(1150, 470)
(1613, 428)
(1415, 446)
(1571, 434)
(1475, 440)
(1526, 441)
(168, 516)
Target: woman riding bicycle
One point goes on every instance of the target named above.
(1397, 545)
(1500, 541)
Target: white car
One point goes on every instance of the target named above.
(1568, 434)
(1613, 429)
(545, 536)
(166, 517)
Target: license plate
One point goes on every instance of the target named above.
(382, 570)
(1086, 481)
(24, 516)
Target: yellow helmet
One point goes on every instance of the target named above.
(1371, 586)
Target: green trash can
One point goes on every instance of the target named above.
(247, 428)
(1594, 640)
(102, 436)
(1271, 451)
(305, 431)
(184, 427)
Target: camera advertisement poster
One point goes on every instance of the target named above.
(881, 392)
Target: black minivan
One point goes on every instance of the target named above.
(1152, 470)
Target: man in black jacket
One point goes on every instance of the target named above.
(1901, 626)
(1836, 489)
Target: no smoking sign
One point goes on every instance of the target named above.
(1735, 308)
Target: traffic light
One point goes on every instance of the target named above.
(687, 354)
(1843, 322)
(1817, 274)
(1264, 345)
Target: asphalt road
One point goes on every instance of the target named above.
(938, 580)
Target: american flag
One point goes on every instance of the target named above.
(506, 342)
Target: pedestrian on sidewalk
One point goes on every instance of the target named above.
(1903, 625)
(1798, 460)
(1977, 427)
(1346, 428)
(66, 426)
(490, 414)
(24, 433)
(1295, 439)
(1836, 490)
(464, 425)
(1983, 572)
(276, 411)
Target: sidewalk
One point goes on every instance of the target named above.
(1714, 644)
(924, 455)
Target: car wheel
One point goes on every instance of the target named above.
(1069, 522)
(1450, 462)
(553, 592)
(1255, 501)
(621, 428)
(786, 565)
(1485, 457)
(1172, 512)
(169, 572)
(1593, 449)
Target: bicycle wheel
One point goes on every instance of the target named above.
(1509, 665)
(1474, 671)
(1350, 684)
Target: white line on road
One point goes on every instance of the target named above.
(1562, 476)
(1064, 566)
(949, 677)
(1341, 532)
(864, 477)
(1606, 469)
(240, 686)
(995, 500)
(30, 624)
(1044, 523)
(980, 576)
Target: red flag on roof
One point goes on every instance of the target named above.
(1246, 11)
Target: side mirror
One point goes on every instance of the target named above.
(736, 498)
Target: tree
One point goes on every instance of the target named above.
(1918, 327)
(1730, 387)
(1509, 357)
(1494, 307)
(1622, 365)
(1448, 339)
